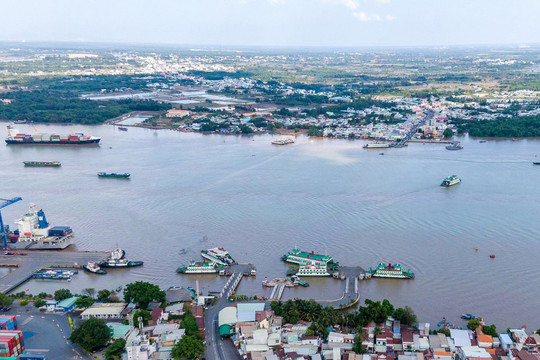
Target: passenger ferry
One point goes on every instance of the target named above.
(218, 255)
(313, 269)
(376, 146)
(450, 180)
(198, 267)
(391, 271)
(296, 256)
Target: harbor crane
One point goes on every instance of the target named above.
(3, 204)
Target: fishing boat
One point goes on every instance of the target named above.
(450, 181)
(94, 268)
(42, 163)
(312, 269)
(114, 175)
(455, 145)
(198, 267)
(296, 256)
(394, 271)
(283, 141)
(218, 255)
(118, 289)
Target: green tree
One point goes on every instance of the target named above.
(93, 334)
(473, 324)
(5, 300)
(104, 295)
(490, 330)
(405, 315)
(115, 350)
(190, 324)
(144, 314)
(244, 129)
(39, 303)
(538, 331)
(23, 303)
(188, 347)
(62, 294)
(357, 346)
(142, 293)
(448, 133)
(43, 295)
(84, 302)
(89, 291)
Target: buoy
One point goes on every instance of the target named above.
(492, 256)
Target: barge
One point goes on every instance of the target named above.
(42, 163)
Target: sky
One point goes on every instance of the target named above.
(290, 23)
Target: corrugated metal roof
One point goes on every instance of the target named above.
(227, 316)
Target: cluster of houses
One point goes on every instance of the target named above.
(259, 334)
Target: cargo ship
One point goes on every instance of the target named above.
(391, 271)
(198, 267)
(42, 163)
(114, 175)
(296, 256)
(35, 232)
(218, 255)
(50, 139)
(94, 268)
(450, 180)
(376, 146)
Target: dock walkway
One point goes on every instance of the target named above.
(35, 260)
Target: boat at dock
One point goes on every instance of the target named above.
(455, 145)
(283, 141)
(198, 267)
(35, 232)
(299, 257)
(394, 271)
(297, 281)
(376, 145)
(117, 260)
(450, 181)
(94, 268)
(114, 175)
(312, 269)
(54, 274)
(42, 163)
(16, 138)
(219, 256)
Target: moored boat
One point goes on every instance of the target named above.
(283, 141)
(94, 268)
(312, 269)
(198, 267)
(218, 255)
(296, 256)
(42, 163)
(376, 145)
(450, 180)
(114, 175)
(394, 271)
(119, 263)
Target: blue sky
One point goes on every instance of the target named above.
(274, 22)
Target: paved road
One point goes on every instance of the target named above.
(35, 260)
(46, 334)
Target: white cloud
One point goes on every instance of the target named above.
(349, 4)
(389, 17)
(362, 16)
(276, 2)
(383, 1)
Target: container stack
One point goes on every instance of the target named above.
(8, 322)
(11, 343)
(32, 357)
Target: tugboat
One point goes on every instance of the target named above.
(218, 255)
(42, 163)
(198, 267)
(450, 180)
(114, 175)
(391, 271)
(94, 268)
(119, 263)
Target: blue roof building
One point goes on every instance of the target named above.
(66, 305)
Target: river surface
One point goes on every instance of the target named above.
(190, 192)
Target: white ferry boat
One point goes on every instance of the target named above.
(312, 270)
(218, 255)
(35, 232)
(376, 146)
(283, 141)
(199, 267)
(391, 271)
(450, 180)
(296, 256)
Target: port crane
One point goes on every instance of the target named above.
(3, 204)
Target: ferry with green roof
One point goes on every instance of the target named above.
(393, 271)
(299, 257)
(199, 267)
(313, 269)
(450, 180)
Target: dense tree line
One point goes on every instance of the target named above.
(56, 107)
(503, 127)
